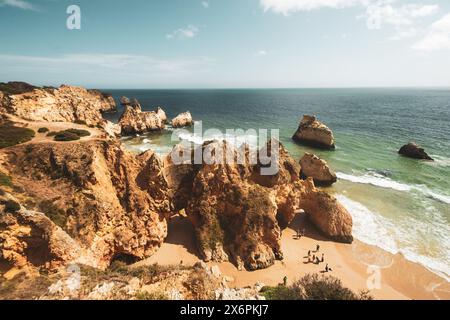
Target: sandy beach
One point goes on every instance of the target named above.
(358, 265)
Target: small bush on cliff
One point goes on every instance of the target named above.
(53, 212)
(155, 296)
(69, 135)
(66, 136)
(11, 206)
(43, 130)
(314, 287)
(10, 135)
(5, 180)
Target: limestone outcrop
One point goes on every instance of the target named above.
(314, 133)
(314, 167)
(135, 121)
(327, 214)
(238, 213)
(63, 104)
(413, 150)
(105, 202)
(183, 120)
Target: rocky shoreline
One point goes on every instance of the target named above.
(92, 203)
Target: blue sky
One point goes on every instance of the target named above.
(227, 43)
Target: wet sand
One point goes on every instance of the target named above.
(359, 266)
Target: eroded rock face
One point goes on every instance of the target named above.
(183, 120)
(64, 104)
(314, 133)
(135, 121)
(109, 202)
(238, 212)
(30, 239)
(234, 218)
(316, 168)
(327, 214)
(412, 150)
(125, 101)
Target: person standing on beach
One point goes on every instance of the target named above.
(323, 257)
(318, 248)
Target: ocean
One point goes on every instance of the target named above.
(398, 204)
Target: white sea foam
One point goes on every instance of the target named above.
(401, 236)
(384, 182)
(236, 140)
(376, 180)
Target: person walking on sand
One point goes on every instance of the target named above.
(318, 248)
(326, 268)
(323, 257)
(285, 280)
(309, 253)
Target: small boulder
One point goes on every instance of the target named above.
(183, 120)
(314, 133)
(413, 150)
(314, 167)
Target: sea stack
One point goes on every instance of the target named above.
(135, 121)
(314, 133)
(413, 150)
(183, 120)
(125, 101)
(314, 167)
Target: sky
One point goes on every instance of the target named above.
(145, 44)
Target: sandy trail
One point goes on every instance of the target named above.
(353, 264)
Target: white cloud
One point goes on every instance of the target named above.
(21, 4)
(261, 53)
(205, 4)
(437, 38)
(402, 17)
(117, 64)
(288, 6)
(184, 33)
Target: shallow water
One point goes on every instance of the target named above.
(399, 204)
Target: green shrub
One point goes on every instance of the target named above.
(66, 136)
(152, 296)
(43, 130)
(11, 206)
(11, 135)
(5, 180)
(69, 134)
(314, 287)
(53, 212)
(79, 132)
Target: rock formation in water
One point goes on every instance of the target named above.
(412, 150)
(134, 121)
(183, 120)
(64, 104)
(103, 201)
(314, 133)
(314, 167)
(125, 101)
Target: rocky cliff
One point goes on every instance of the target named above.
(318, 169)
(63, 104)
(103, 201)
(239, 214)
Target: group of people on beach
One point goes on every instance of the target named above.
(313, 257)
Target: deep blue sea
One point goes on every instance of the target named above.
(399, 204)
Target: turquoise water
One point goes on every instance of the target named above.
(398, 204)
